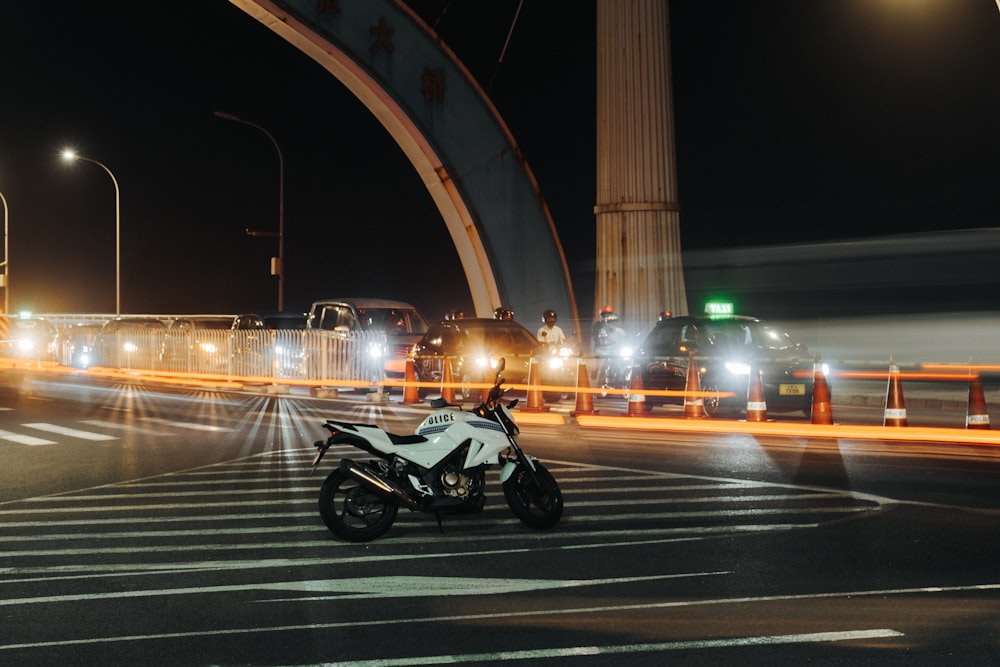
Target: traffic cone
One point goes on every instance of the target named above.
(584, 399)
(488, 377)
(756, 407)
(895, 408)
(410, 392)
(447, 382)
(977, 417)
(536, 403)
(821, 413)
(694, 406)
(636, 396)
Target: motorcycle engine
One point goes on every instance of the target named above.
(455, 483)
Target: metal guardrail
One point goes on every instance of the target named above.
(320, 356)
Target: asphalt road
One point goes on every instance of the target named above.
(180, 527)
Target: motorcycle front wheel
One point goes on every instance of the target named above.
(351, 512)
(538, 504)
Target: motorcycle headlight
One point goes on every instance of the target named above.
(374, 350)
(208, 348)
(626, 352)
(565, 352)
(555, 363)
(738, 367)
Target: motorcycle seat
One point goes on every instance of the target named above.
(397, 439)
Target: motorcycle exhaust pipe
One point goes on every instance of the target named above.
(381, 487)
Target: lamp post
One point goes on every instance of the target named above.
(73, 155)
(5, 276)
(279, 270)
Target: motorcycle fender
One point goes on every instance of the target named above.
(507, 470)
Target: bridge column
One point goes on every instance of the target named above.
(639, 268)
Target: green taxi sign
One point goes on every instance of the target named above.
(718, 309)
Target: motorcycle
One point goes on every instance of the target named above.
(441, 469)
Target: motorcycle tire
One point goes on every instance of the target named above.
(351, 512)
(537, 505)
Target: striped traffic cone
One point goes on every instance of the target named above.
(694, 406)
(977, 417)
(895, 407)
(636, 396)
(536, 403)
(410, 392)
(821, 412)
(447, 382)
(756, 407)
(584, 399)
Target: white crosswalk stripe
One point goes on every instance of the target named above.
(71, 432)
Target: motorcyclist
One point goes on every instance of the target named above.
(503, 313)
(606, 333)
(550, 333)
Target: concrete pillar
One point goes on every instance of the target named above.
(639, 268)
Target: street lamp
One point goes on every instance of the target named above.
(5, 276)
(69, 155)
(278, 270)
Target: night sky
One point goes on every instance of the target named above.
(796, 121)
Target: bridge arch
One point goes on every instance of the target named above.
(452, 135)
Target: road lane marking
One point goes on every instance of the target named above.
(124, 427)
(364, 588)
(188, 425)
(621, 649)
(22, 439)
(71, 432)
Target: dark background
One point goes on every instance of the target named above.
(796, 123)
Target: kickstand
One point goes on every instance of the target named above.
(437, 515)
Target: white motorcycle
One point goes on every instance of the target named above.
(439, 470)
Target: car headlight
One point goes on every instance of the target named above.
(738, 367)
(375, 350)
(208, 348)
(25, 345)
(130, 347)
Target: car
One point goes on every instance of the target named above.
(130, 342)
(401, 322)
(474, 345)
(27, 338)
(197, 343)
(269, 343)
(75, 345)
(725, 347)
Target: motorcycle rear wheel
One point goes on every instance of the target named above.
(351, 512)
(537, 505)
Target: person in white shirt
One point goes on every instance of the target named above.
(550, 333)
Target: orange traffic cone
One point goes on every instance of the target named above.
(536, 403)
(895, 408)
(584, 399)
(694, 406)
(410, 392)
(488, 377)
(977, 417)
(821, 413)
(447, 382)
(756, 407)
(636, 396)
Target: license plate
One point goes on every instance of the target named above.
(792, 389)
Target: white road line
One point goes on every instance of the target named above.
(124, 427)
(574, 651)
(71, 432)
(188, 425)
(24, 439)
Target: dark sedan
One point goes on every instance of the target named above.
(724, 349)
(474, 345)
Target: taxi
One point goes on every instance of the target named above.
(725, 346)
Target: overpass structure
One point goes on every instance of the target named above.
(452, 135)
